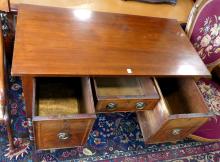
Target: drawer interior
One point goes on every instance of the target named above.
(182, 96)
(181, 107)
(118, 86)
(61, 96)
(124, 86)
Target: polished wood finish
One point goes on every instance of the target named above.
(51, 124)
(180, 11)
(54, 41)
(46, 133)
(125, 93)
(180, 112)
(29, 93)
(4, 5)
(57, 42)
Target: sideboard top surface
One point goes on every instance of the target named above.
(77, 42)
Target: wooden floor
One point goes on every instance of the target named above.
(179, 12)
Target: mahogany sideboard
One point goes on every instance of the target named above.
(75, 63)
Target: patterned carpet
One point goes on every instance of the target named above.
(115, 137)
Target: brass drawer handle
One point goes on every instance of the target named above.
(63, 136)
(111, 106)
(140, 105)
(176, 131)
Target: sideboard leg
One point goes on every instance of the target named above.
(28, 90)
(10, 134)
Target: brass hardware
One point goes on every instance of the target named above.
(111, 106)
(176, 131)
(140, 105)
(63, 136)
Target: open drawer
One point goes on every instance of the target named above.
(124, 94)
(63, 112)
(180, 111)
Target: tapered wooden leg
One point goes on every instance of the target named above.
(9, 130)
(10, 137)
(28, 90)
(28, 86)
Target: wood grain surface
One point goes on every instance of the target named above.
(181, 108)
(180, 11)
(55, 41)
(4, 5)
(125, 93)
(28, 86)
(77, 125)
(46, 133)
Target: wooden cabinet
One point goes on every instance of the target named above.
(180, 111)
(121, 53)
(64, 112)
(123, 94)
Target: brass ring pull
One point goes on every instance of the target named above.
(63, 136)
(140, 105)
(176, 131)
(111, 106)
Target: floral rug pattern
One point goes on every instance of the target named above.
(115, 137)
(211, 93)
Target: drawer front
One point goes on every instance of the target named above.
(180, 111)
(62, 133)
(176, 129)
(123, 105)
(124, 94)
(64, 112)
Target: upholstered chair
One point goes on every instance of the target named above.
(4, 114)
(203, 29)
